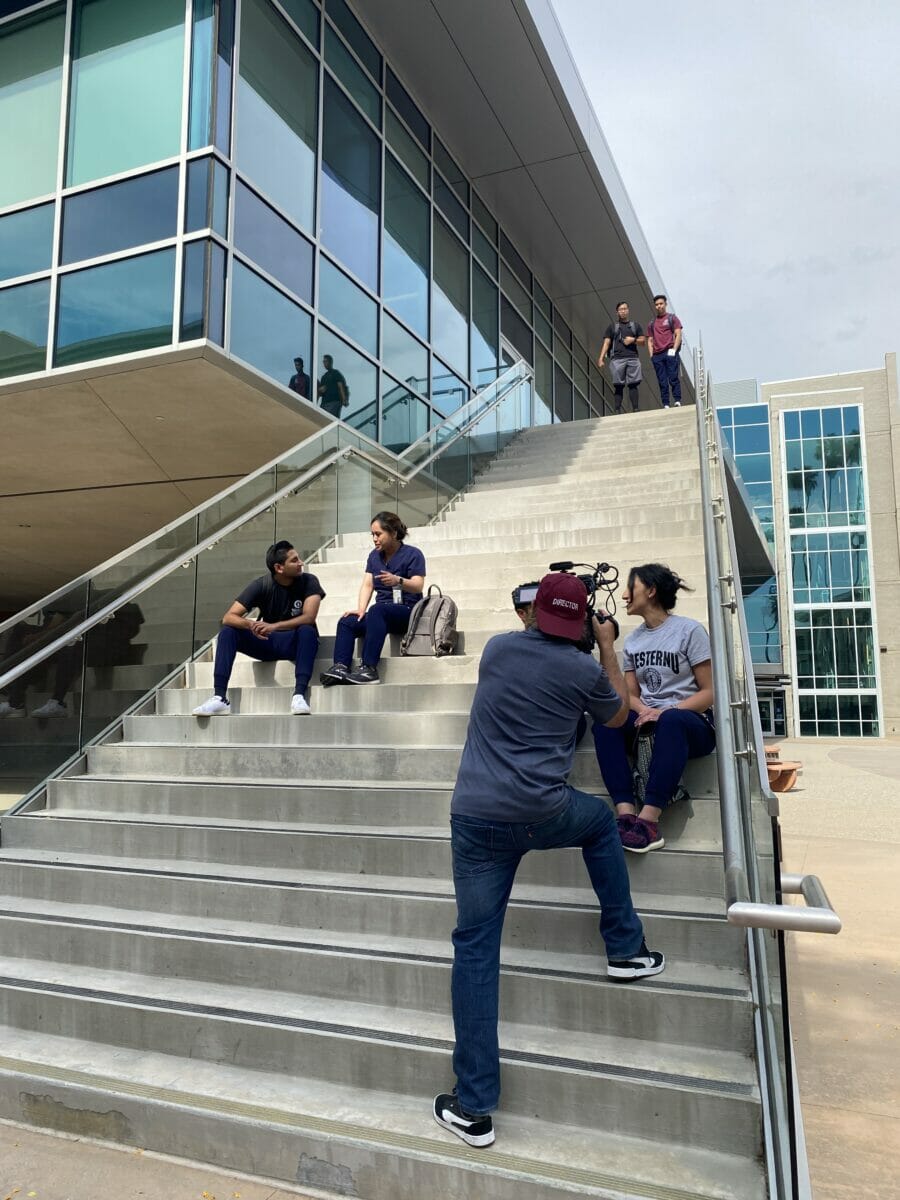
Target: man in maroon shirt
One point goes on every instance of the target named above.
(664, 344)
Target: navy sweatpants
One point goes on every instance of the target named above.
(680, 735)
(298, 646)
(378, 622)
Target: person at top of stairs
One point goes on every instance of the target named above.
(395, 573)
(512, 796)
(668, 672)
(288, 600)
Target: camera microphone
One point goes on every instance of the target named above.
(562, 566)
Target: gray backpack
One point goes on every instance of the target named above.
(432, 626)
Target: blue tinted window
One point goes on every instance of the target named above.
(344, 304)
(24, 317)
(451, 171)
(484, 250)
(450, 298)
(356, 36)
(305, 16)
(515, 260)
(31, 58)
(361, 378)
(351, 187)
(792, 425)
(115, 308)
(404, 356)
(212, 49)
(562, 399)
(271, 242)
(450, 206)
(407, 108)
(851, 420)
(26, 241)
(406, 248)
(515, 330)
(203, 292)
(751, 439)
(207, 196)
(132, 213)
(352, 77)
(811, 422)
(750, 414)
(831, 422)
(404, 417)
(267, 329)
(407, 149)
(485, 329)
(448, 392)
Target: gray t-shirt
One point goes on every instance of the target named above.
(531, 694)
(662, 659)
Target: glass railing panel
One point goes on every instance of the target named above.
(362, 491)
(308, 518)
(419, 501)
(136, 565)
(225, 569)
(484, 441)
(453, 470)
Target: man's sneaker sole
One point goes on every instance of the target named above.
(642, 966)
(454, 1124)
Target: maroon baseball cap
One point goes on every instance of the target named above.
(560, 605)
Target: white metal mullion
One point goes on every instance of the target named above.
(182, 166)
(232, 175)
(60, 181)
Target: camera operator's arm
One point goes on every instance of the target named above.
(605, 633)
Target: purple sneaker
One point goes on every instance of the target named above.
(641, 837)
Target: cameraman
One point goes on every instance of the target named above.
(511, 796)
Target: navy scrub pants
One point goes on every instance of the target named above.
(299, 646)
(378, 622)
(680, 735)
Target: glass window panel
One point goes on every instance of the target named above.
(361, 378)
(267, 329)
(516, 330)
(814, 488)
(404, 417)
(542, 301)
(751, 414)
(560, 327)
(305, 16)
(404, 356)
(831, 422)
(514, 290)
(450, 206)
(515, 260)
(562, 400)
(833, 452)
(406, 248)
(351, 187)
(561, 353)
(580, 379)
(344, 304)
(811, 422)
(127, 59)
(812, 454)
(484, 250)
(751, 439)
(407, 108)
(755, 468)
(276, 123)
(26, 241)
(485, 329)
(792, 425)
(212, 47)
(31, 56)
(24, 317)
(543, 385)
(794, 456)
(356, 36)
(407, 150)
(482, 215)
(116, 308)
(132, 213)
(450, 298)
(352, 76)
(543, 328)
(448, 392)
(451, 172)
(207, 196)
(271, 242)
(580, 410)
(836, 492)
(851, 421)
(853, 451)
(203, 292)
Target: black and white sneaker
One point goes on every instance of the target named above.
(639, 966)
(336, 673)
(364, 674)
(474, 1130)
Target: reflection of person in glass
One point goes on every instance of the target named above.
(299, 381)
(333, 388)
(288, 601)
(395, 572)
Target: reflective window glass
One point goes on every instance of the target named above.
(407, 108)
(542, 301)
(543, 328)
(24, 317)
(515, 291)
(212, 49)
(267, 329)
(580, 412)
(132, 213)
(561, 328)
(272, 243)
(406, 248)
(580, 379)
(207, 196)
(351, 187)
(515, 330)
(31, 56)
(26, 241)
(116, 308)
(404, 417)
(305, 16)
(450, 298)
(792, 425)
(276, 118)
(361, 380)
(445, 199)
(482, 215)
(404, 356)
(450, 171)
(127, 59)
(448, 392)
(515, 260)
(543, 386)
(485, 329)
(484, 250)
(203, 292)
(562, 400)
(356, 36)
(406, 149)
(561, 353)
(352, 76)
(344, 304)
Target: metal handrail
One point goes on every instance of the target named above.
(741, 909)
(74, 633)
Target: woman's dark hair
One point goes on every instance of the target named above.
(666, 582)
(391, 523)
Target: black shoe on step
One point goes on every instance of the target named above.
(473, 1129)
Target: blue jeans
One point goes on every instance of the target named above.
(299, 646)
(667, 376)
(378, 622)
(486, 855)
(679, 735)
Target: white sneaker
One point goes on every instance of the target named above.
(299, 707)
(678, 404)
(10, 710)
(213, 707)
(52, 708)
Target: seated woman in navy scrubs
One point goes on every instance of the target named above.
(395, 572)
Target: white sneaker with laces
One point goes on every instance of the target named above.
(299, 707)
(52, 708)
(213, 707)
(10, 710)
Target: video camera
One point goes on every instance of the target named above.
(601, 582)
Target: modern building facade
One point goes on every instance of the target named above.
(820, 460)
(196, 194)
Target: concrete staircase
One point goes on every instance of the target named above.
(229, 940)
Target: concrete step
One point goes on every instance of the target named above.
(454, 668)
(593, 518)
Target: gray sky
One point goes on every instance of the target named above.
(759, 145)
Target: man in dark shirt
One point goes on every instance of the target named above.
(288, 601)
(333, 388)
(299, 381)
(512, 796)
(620, 345)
